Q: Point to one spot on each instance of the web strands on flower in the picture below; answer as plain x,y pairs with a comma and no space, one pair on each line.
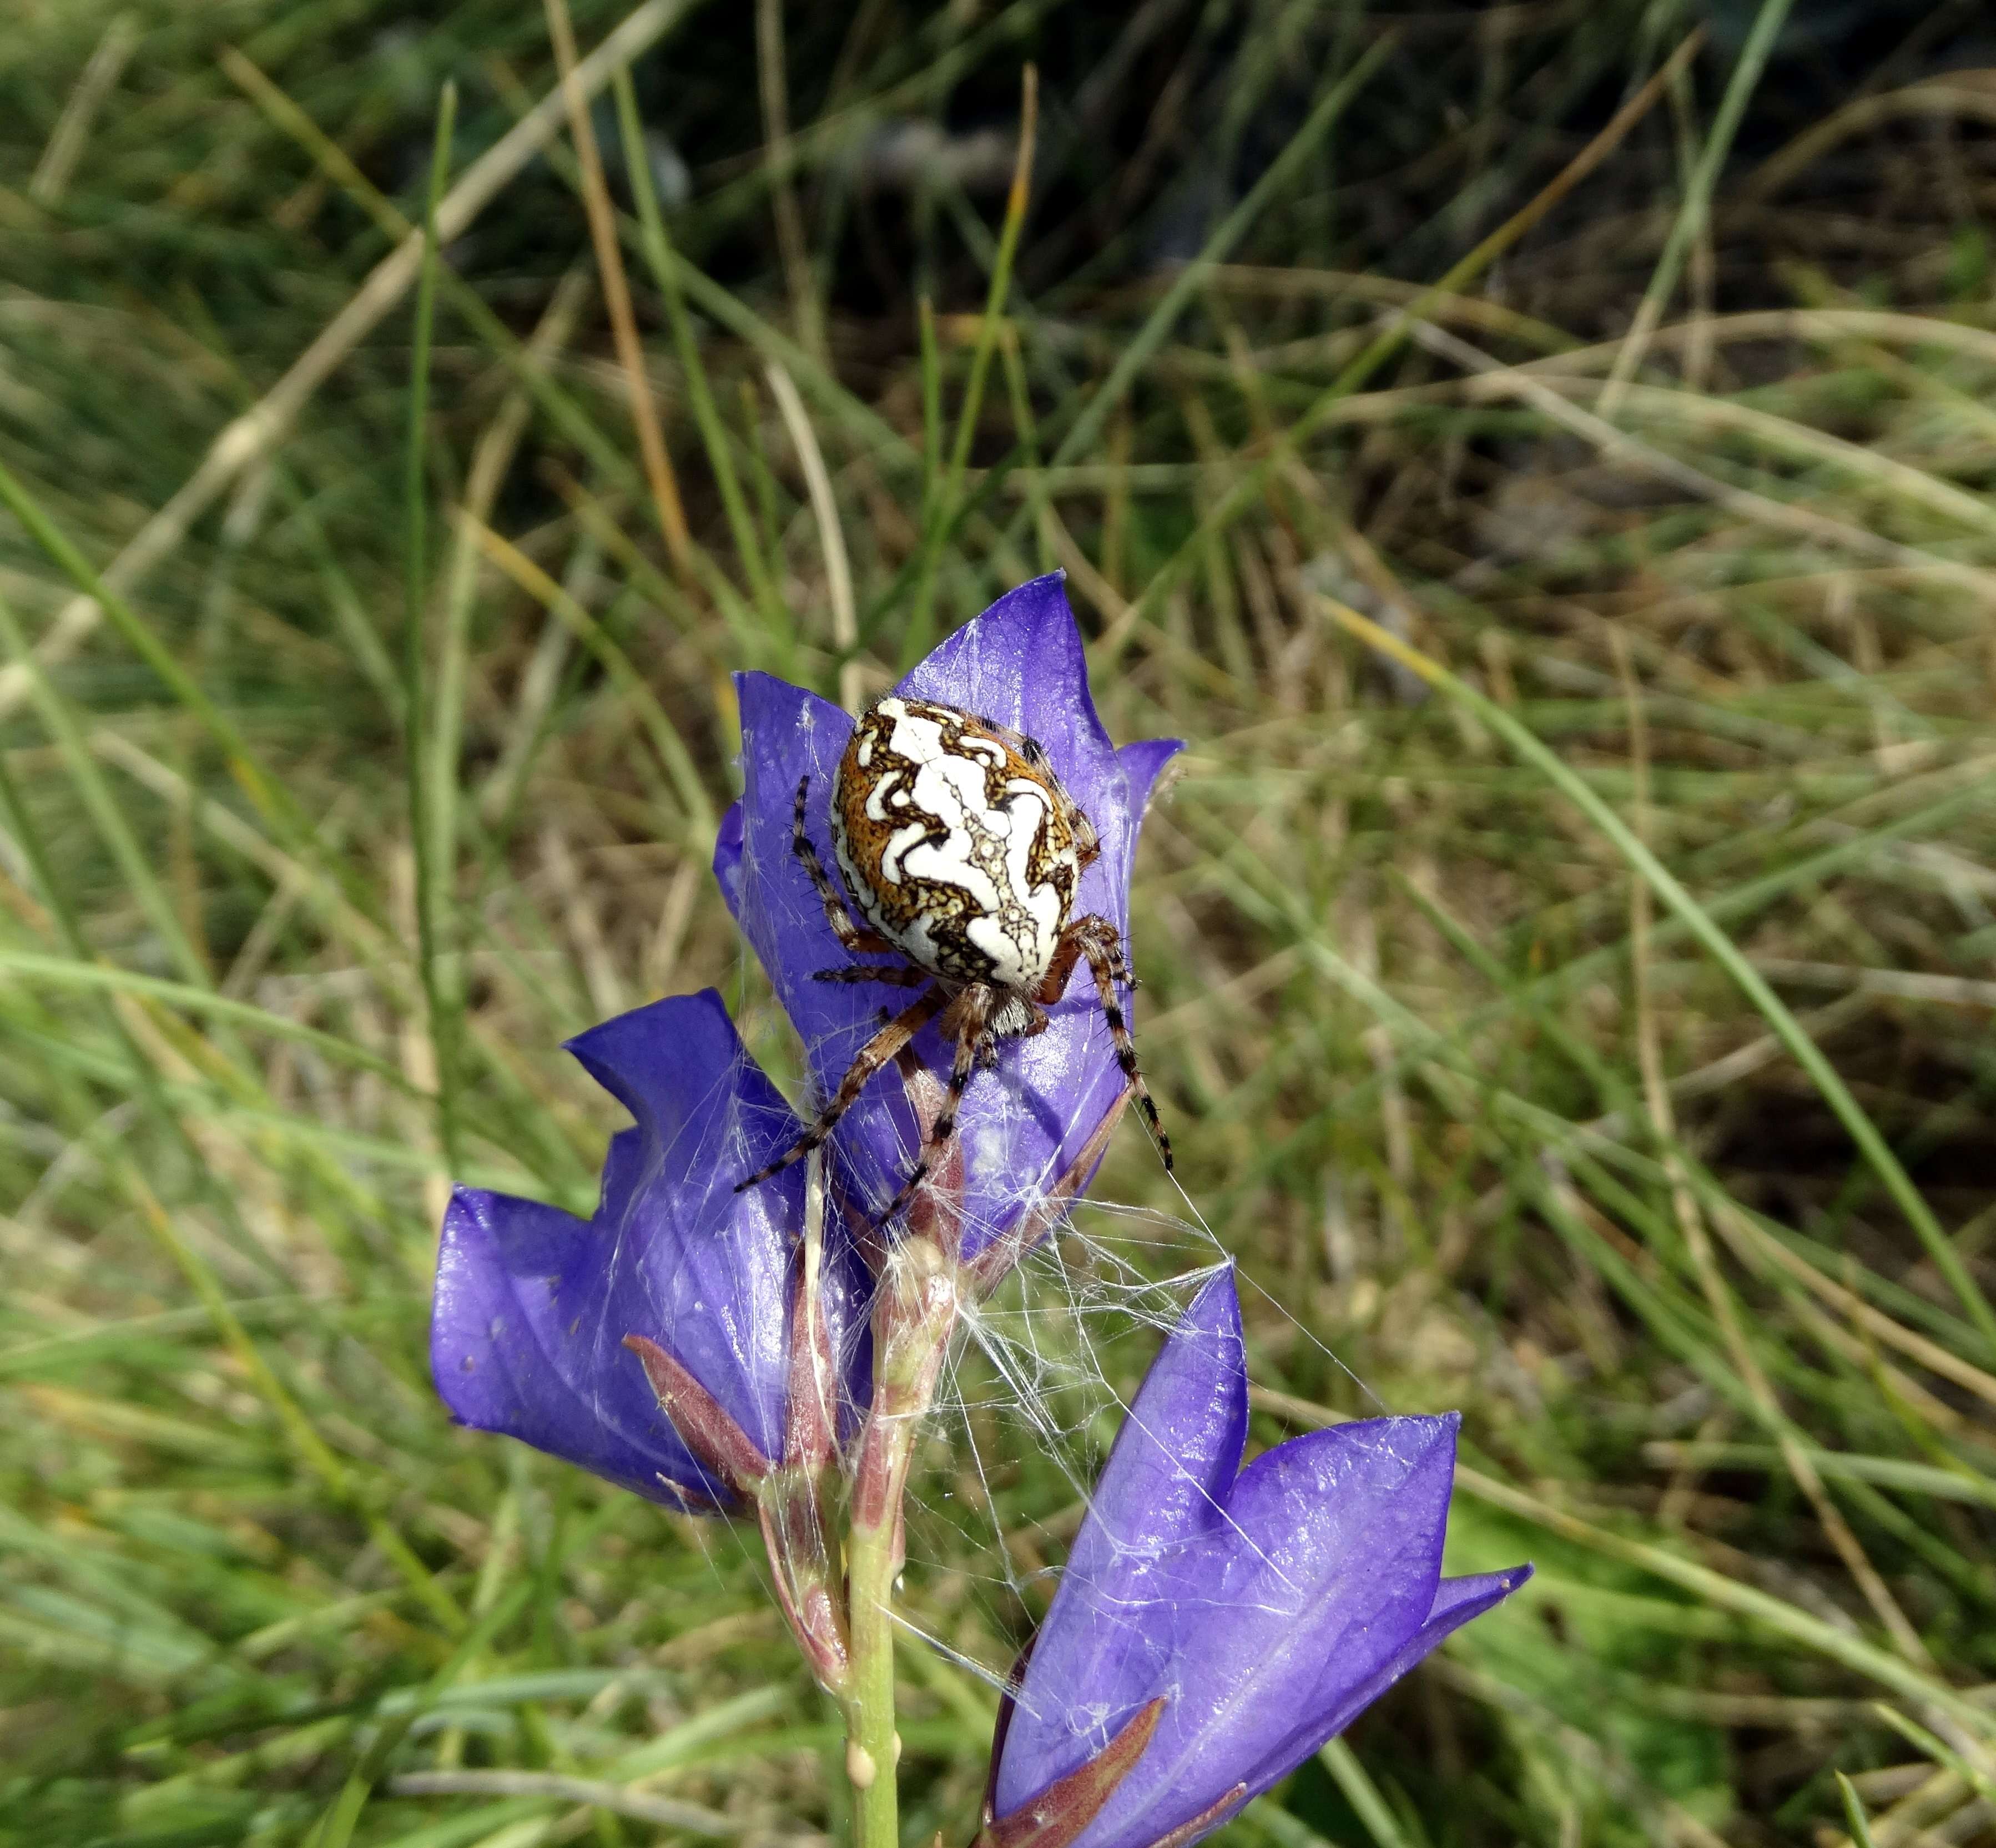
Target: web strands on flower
1026,1410
1032,1398
1037,1392
709,1288
1029,1405
1029,1376
714,1301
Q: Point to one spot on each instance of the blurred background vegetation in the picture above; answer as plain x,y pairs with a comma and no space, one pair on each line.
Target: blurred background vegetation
1598,1041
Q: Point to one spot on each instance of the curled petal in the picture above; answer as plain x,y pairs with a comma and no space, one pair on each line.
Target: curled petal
503,1361
534,1306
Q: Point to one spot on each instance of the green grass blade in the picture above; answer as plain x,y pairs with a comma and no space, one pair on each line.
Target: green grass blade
1700,924
656,249
1362,1793
430,877
1696,207
1854,1812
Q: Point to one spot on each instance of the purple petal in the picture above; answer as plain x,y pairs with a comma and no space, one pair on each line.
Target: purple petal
1021,664
1457,1600
787,734
532,1305
1323,1564
1329,1581
1267,1610
1173,1463
1176,1460
501,1362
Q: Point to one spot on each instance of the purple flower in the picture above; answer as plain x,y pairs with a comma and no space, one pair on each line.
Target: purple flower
1024,1125
575,1336
1214,1625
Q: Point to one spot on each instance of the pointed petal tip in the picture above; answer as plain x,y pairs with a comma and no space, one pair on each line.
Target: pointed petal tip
1215,1310
637,1055
1143,758
1021,662
1427,1428
462,1211
761,696
726,861
486,1233
1458,1601
678,1063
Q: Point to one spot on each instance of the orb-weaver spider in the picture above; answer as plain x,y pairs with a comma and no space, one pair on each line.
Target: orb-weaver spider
962,854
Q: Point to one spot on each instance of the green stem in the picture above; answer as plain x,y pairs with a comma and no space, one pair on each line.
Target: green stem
915,1309
871,1742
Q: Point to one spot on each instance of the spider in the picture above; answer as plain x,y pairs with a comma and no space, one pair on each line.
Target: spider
962,854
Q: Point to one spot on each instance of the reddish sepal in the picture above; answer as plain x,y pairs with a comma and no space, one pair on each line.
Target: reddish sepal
710,1433
1061,1812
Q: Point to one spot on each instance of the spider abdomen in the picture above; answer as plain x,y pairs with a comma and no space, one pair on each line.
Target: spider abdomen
957,842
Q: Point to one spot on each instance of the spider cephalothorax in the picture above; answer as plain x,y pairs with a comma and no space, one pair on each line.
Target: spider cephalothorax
962,855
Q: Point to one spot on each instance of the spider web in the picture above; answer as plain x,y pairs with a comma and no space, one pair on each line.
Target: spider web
1037,1382
1037,1378
1034,1395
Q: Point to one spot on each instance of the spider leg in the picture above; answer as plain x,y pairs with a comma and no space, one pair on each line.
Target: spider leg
973,1031
878,1051
857,939
1067,953
1099,941
891,975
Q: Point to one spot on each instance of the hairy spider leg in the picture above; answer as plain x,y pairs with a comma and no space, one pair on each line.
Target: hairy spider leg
1097,938
878,1051
856,938
972,1009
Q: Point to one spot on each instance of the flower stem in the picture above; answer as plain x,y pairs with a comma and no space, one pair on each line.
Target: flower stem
914,1310
871,1741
